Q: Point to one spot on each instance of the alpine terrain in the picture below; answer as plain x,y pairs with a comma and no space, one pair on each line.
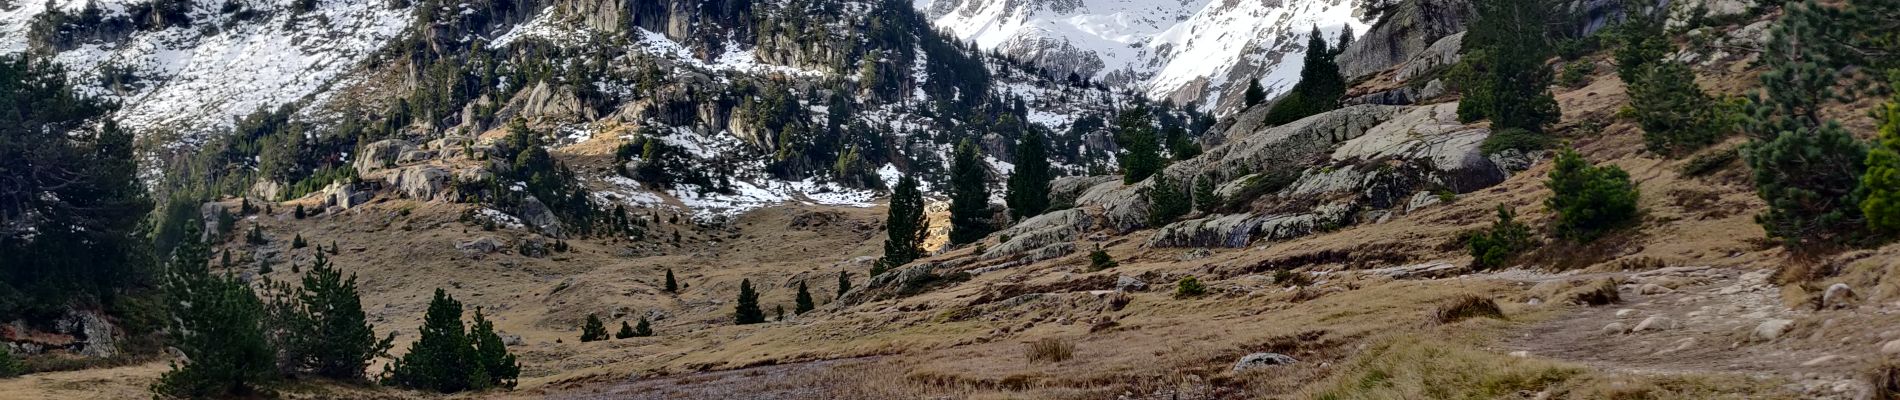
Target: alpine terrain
950,199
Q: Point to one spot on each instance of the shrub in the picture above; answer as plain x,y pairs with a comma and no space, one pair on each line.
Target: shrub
297,242
1811,183
1189,287
1589,200
1503,242
1466,307
1885,378
1882,179
1100,260
1287,277
1577,73
1049,349
1514,139
1167,201
626,331
594,330
10,366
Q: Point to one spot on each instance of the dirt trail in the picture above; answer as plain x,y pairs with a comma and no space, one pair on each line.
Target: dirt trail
1702,320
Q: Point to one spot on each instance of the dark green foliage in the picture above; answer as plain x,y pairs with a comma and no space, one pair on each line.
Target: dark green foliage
746,311
1807,168
219,325
1710,162
1189,287
593,330
1881,203
73,185
904,226
643,329
255,236
803,302
1677,117
1589,200
10,366
1495,247
299,212
969,196
1320,87
844,283
447,358
297,242
1167,201
322,328
1509,82
1141,150
1255,94
1028,192
1577,73
1640,44
1100,260
1205,199
548,181
1514,139
626,331
672,286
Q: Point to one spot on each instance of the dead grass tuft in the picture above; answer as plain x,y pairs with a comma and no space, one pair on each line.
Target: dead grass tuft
1466,307
1600,292
1884,378
1053,350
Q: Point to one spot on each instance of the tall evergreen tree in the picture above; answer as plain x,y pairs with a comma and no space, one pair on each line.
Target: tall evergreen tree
1028,193
672,286
626,331
1512,86
904,226
1167,201
804,301
1320,86
442,358
1808,168
969,196
1205,199
498,366
643,329
220,324
1141,149
594,329
323,327
746,311
70,199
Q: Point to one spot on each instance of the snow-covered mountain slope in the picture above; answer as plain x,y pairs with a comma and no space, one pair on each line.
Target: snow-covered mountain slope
230,59
1181,50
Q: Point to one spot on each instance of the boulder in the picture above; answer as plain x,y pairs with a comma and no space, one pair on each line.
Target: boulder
1838,295
1614,328
1655,323
1261,360
1064,191
344,195
1772,329
480,246
1441,55
92,331
422,182
1653,289
1127,283
536,214
1892,347
1431,136
381,154
415,156
1683,13
267,190
1235,230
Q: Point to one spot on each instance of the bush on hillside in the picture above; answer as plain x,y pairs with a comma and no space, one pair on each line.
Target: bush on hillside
1589,200
1503,242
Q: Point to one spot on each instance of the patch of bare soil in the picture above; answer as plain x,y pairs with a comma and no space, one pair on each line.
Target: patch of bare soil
1710,320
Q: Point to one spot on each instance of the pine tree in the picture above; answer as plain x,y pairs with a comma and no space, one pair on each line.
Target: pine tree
1141,150
594,330
804,301
746,311
1809,169
904,226
1255,94
1166,201
1320,87
844,283
219,325
969,196
626,331
1882,180
1589,200
1509,45
1028,193
297,242
442,358
299,212
324,329
1205,199
643,329
1676,116
781,313
496,364
672,286
256,236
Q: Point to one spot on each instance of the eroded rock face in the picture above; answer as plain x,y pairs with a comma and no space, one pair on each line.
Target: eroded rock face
1220,230
1406,31
94,333
381,154
422,182
537,215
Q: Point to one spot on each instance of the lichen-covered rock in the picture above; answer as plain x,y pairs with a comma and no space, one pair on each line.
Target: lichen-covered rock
381,154
1261,360
536,214
1684,12
422,182
1064,191
1440,55
1234,230
1041,231
1407,30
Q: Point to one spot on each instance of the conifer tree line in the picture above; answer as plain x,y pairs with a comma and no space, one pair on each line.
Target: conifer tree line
1321,86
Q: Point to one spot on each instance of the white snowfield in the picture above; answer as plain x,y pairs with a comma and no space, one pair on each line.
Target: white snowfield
1166,46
